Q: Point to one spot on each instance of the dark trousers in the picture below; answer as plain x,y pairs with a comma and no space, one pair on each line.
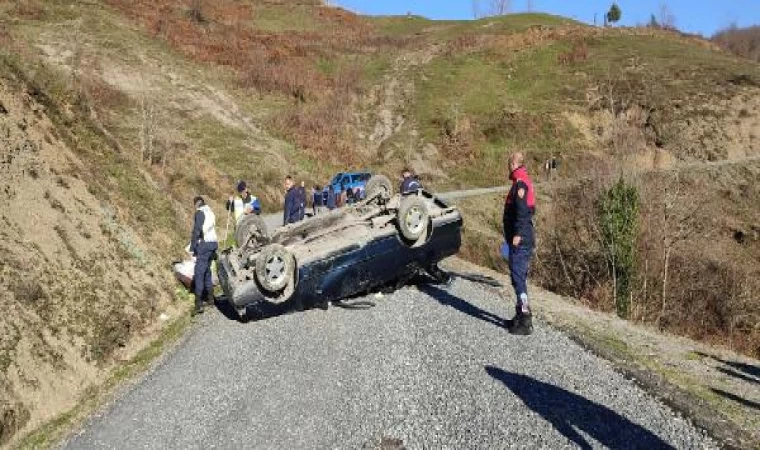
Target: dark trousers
519,264
202,281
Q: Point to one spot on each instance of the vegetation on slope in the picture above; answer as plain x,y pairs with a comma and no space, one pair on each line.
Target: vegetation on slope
744,42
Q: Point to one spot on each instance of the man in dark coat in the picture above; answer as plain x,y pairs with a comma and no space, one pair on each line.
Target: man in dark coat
519,207
203,246
409,182
293,201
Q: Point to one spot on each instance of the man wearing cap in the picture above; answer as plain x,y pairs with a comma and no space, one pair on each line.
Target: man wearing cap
519,207
244,203
203,246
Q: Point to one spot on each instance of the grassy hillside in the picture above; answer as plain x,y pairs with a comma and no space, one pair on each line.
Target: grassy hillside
160,101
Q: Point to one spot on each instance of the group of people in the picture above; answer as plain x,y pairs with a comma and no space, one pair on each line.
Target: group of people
550,168
519,208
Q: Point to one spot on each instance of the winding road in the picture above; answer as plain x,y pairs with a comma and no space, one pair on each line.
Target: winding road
427,367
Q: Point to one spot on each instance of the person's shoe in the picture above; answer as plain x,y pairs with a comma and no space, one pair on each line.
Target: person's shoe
209,299
198,305
522,324
441,277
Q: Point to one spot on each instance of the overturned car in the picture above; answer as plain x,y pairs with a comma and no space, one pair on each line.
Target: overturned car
384,240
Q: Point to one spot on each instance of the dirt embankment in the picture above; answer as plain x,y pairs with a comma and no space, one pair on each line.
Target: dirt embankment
79,289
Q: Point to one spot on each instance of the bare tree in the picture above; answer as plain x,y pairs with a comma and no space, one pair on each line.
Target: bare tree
667,18
677,226
147,129
476,14
196,11
500,7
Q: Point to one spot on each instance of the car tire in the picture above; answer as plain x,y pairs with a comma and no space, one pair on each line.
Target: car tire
413,218
378,185
275,268
250,226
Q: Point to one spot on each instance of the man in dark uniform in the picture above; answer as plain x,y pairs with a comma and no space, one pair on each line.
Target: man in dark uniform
292,210
203,245
409,182
518,233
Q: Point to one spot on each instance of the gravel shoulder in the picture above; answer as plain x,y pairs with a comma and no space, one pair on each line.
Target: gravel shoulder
719,390
424,368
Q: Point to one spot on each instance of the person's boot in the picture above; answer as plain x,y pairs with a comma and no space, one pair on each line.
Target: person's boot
209,298
440,277
198,305
522,324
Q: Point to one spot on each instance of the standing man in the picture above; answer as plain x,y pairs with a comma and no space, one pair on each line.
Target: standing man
292,209
518,233
203,245
332,201
316,199
302,194
244,203
409,182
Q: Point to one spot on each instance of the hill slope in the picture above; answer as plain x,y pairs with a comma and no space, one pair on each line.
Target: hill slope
151,103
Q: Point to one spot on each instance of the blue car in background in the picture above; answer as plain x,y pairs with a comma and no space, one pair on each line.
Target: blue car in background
347,180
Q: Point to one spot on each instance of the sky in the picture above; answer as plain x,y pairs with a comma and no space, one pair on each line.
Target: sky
694,16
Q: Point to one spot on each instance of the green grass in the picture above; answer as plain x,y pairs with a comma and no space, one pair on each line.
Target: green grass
449,29
277,18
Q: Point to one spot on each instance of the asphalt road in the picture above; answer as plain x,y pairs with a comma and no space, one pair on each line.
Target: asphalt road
425,368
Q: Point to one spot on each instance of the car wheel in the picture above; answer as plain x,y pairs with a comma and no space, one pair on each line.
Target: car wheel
275,268
250,227
413,218
378,185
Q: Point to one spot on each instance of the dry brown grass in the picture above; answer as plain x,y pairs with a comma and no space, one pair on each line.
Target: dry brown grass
289,63
578,53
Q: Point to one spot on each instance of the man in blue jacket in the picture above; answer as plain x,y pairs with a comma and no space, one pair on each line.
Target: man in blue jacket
203,245
409,182
519,207
292,212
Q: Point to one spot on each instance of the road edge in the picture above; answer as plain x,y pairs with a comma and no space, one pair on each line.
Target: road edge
55,432
700,412
631,364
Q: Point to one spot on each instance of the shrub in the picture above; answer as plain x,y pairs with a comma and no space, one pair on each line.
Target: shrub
744,42
577,54
618,215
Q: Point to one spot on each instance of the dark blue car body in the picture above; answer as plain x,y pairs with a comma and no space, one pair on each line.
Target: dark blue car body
350,269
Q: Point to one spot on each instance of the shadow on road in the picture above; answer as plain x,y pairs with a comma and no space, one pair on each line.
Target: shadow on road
479,279
742,371
737,399
457,303
569,412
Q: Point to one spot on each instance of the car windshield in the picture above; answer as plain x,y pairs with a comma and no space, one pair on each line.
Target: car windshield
337,178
